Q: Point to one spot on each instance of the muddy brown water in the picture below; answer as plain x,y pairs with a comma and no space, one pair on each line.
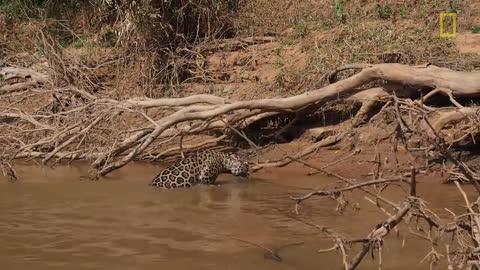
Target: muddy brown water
52,219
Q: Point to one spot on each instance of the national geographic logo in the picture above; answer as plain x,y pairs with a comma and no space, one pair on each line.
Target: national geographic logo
448,16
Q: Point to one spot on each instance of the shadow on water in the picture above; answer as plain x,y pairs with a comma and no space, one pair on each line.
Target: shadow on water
51,220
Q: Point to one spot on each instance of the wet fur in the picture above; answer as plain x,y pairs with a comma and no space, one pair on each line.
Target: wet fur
200,168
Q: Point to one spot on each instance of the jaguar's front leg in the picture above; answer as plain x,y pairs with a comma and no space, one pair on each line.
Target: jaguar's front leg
207,176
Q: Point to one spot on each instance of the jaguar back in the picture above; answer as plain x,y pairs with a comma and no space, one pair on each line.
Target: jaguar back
200,167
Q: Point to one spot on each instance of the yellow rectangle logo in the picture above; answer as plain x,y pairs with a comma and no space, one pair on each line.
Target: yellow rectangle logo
454,25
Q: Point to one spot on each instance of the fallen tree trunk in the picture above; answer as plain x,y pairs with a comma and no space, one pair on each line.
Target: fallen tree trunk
198,114
460,84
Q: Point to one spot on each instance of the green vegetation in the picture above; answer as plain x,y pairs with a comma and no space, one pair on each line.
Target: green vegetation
78,43
18,8
157,21
278,60
340,10
27,9
475,29
452,6
301,28
403,10
326,24
383,12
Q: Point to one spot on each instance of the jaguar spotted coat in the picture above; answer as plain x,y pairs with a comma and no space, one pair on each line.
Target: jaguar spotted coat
202,167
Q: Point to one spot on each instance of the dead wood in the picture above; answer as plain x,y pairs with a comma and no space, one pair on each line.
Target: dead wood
9,73
375,238
308,150
429,76
19,79
463,229
454,116
171,118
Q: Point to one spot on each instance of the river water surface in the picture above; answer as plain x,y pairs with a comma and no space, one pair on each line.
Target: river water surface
52,219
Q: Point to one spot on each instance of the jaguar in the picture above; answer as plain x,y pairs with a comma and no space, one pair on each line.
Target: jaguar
202,167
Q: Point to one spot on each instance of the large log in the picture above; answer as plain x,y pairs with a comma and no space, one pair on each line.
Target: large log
457,82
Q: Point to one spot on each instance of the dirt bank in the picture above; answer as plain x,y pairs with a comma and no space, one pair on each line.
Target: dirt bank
94,72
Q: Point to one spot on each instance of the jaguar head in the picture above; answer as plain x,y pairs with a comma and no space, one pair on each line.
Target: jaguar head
236,165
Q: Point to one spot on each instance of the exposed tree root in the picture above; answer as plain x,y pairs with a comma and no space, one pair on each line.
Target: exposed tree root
429,76
285,161
78,113
454,116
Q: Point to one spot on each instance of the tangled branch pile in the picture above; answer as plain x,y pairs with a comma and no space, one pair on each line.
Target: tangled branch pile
461,232
76,124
